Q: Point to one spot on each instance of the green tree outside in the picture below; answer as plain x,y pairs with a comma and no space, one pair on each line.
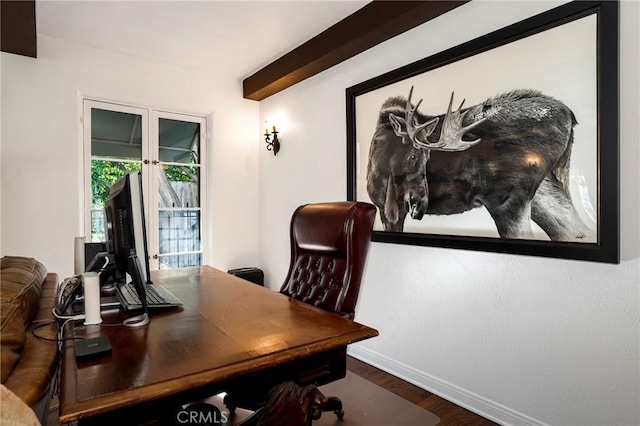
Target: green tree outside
105,173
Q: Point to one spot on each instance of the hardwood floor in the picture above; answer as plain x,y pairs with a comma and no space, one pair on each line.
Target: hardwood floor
449,413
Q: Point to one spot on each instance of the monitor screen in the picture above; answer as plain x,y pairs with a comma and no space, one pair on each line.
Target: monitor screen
125,226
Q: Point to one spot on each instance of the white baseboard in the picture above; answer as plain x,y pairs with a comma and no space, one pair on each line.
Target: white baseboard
462,397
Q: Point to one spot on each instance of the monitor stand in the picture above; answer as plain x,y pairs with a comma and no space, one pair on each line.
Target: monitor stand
100,263
134,270
137,321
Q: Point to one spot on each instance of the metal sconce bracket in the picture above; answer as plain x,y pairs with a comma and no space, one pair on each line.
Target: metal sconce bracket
272,144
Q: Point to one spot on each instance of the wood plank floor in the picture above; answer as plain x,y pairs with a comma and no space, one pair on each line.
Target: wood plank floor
449,413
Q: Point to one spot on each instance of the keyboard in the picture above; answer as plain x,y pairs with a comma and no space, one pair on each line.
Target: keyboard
156,295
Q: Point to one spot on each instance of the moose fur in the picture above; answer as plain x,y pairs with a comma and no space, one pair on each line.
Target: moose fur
518,170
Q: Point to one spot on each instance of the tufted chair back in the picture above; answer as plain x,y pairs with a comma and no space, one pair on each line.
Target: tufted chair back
329,244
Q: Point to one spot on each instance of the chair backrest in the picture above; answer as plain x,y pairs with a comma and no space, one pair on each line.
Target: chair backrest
329,245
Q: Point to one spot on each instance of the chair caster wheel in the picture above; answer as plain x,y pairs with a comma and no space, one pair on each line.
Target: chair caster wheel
339,414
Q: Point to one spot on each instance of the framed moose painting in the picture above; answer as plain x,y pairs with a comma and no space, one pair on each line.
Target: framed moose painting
506,143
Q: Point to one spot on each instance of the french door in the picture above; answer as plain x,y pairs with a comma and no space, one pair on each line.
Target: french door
168,149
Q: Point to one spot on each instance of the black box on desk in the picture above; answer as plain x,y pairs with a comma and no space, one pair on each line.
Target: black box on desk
252,274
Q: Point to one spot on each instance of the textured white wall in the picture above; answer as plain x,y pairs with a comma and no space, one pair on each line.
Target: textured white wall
523,340
42,168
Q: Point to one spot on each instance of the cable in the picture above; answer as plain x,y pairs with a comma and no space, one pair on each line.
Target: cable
67,317
66,293
59,339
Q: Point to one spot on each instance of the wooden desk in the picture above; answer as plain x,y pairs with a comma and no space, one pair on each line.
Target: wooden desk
229,333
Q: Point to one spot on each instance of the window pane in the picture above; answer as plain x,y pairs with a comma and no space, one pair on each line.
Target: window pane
179,231
179,141
179,186
180,261
97,225
104,174
116,134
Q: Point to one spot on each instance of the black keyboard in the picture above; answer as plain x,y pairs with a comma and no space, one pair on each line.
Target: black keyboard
131,295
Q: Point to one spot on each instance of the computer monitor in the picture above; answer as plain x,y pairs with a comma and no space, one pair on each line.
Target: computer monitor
126,232
125,223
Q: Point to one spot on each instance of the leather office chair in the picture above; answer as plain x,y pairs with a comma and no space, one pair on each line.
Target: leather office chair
329,245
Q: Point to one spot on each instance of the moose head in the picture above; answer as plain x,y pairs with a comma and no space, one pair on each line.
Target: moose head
414,136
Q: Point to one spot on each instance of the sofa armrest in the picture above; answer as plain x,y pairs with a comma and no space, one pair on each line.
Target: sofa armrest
31,376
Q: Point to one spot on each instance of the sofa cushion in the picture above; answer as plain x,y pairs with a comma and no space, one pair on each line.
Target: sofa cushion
12,337
21,285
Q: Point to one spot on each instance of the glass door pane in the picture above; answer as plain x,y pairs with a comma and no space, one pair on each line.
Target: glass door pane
116,134
179,141
178,186
179,192
179,233
116,149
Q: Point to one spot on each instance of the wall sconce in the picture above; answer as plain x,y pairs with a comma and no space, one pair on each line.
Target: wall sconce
273,144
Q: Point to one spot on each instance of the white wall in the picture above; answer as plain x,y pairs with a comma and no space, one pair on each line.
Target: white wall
523,340
520,339
42,146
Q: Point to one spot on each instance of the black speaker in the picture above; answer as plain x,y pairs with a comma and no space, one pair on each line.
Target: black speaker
90,250
252,274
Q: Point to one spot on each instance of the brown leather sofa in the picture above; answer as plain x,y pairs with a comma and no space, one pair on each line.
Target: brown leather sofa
29,364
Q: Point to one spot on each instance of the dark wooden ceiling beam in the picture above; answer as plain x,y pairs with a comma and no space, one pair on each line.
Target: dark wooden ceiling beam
375,23
18,27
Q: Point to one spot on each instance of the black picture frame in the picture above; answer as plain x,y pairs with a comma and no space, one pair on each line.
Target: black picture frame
603,16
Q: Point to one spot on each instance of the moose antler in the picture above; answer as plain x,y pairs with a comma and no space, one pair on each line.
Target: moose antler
451,132
408,128
413,129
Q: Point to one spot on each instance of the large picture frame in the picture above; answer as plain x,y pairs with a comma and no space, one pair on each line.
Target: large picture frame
528,164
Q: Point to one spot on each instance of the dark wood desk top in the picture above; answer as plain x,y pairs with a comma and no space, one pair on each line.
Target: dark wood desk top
227,328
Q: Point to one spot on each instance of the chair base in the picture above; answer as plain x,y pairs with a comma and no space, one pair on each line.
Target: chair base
291,405
332,403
